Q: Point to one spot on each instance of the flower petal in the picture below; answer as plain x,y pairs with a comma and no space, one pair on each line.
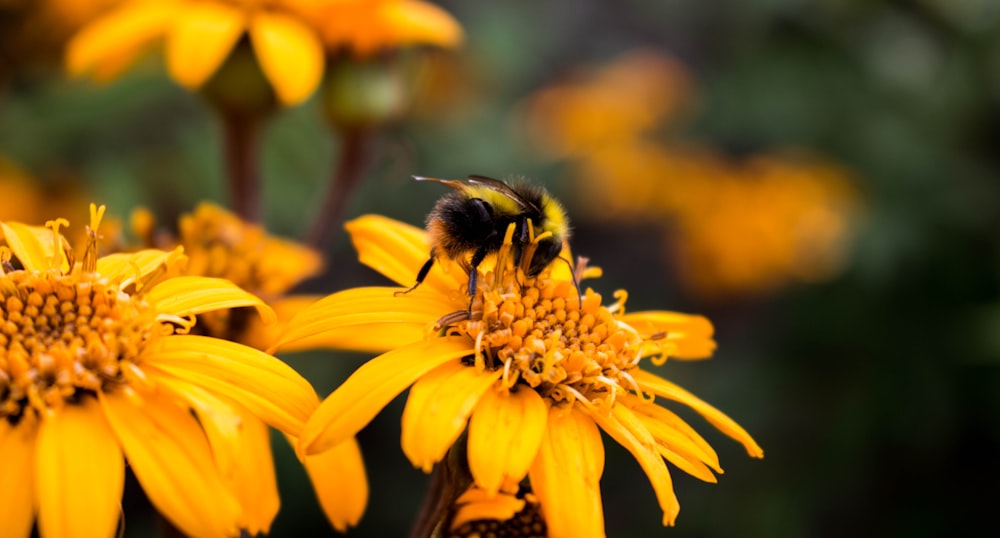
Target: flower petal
504,434
290,55
79,473
192,295
439,407
566,474
167,450
623,426
241,445
267,387
202,36
108,46
17,481
398,250
671,431
661,387
35,247
338,477
363,319
413,22
371,387
688,336
127,268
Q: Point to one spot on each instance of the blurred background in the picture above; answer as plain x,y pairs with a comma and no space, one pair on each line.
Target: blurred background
819,178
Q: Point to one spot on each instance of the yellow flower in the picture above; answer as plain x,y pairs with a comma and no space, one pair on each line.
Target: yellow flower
367,27
220,244
199,36
536,371
509,512
97,367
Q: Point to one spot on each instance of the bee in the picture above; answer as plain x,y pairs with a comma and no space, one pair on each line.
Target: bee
470,223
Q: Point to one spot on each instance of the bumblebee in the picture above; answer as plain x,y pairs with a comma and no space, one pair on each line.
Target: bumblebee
470,223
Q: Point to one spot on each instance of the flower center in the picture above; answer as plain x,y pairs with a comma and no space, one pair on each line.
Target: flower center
65,334
544,335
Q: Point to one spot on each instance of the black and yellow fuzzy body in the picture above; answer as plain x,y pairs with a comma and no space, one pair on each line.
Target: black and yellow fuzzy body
468,224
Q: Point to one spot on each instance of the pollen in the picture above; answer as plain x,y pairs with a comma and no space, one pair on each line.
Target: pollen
65,335
543,334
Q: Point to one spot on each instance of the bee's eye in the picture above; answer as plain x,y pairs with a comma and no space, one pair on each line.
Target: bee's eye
548,250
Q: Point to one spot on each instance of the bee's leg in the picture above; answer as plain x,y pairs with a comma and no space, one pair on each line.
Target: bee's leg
477,258
421,275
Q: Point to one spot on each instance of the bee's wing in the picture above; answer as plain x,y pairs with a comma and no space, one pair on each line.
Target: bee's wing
503,188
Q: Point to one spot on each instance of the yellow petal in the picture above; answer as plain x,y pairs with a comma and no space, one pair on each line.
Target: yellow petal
17,481
79,473
35,247
200,39
504,434
437,410
127,268
193,295
680,450
623,426
369,389
241,446
566,475
260,335
689,336
398,250
338,478
476,504
666,389
167,450
652,413
267,387
110,44
364,319
412,22
290,55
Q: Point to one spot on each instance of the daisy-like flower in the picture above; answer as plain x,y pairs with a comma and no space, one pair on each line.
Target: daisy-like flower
531,375
97,367
199,36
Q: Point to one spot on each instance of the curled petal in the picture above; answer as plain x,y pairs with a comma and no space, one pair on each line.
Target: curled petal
666,389
338,477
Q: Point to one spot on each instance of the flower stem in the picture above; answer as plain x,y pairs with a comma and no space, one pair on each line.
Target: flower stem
451,477
241,140
352,160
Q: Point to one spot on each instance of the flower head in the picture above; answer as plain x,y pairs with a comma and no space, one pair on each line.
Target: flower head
199,36
97,366
366,27
534,370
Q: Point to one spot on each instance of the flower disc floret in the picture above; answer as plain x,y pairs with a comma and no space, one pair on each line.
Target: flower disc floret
62,334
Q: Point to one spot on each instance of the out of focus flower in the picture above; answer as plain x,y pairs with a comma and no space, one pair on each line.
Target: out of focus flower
510,512
200,36
732,227
24,198
220,244
613,105
534,369
98,367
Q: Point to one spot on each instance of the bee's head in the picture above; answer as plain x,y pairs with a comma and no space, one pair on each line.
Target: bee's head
548,249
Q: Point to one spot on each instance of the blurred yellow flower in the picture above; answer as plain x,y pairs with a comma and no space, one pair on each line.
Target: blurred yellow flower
220,244
612,105
98,368
199,35
534,369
